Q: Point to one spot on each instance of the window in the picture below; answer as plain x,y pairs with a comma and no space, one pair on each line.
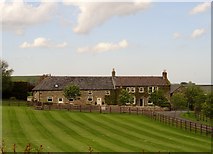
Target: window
155,89
90,92
107,92
56,85
132,89
49,99
90,99
60,99
149,90
141,89
149,102
71,99
134,100
128,89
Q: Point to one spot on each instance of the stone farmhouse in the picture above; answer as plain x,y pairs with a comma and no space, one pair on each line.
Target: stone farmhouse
101,90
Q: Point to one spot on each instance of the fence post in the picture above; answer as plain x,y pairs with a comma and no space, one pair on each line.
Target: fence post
185,125
137,110
80,108
190,126
100,109
201,128
181,123
120,109
206,130
90,108
195,127
129,110
110,109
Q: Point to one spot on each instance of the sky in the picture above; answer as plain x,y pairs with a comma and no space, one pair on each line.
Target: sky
90,38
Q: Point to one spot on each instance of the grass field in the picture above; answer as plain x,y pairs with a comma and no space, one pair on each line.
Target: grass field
191,116
74,131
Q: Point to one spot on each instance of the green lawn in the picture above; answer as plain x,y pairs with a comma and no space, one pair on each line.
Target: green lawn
191,116
74,131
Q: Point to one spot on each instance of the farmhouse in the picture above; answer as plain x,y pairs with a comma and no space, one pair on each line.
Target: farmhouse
100,90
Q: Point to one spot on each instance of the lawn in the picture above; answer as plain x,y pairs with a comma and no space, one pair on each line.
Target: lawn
191,116
64,131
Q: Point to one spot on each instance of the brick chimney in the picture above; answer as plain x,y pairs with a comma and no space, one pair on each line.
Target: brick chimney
164,74
113,72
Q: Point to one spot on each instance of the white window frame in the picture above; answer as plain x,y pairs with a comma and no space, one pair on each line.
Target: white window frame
71,99
149,103
141,91
107,92
150,88
89,98
132,90
90,93
62,100
49,97
128,89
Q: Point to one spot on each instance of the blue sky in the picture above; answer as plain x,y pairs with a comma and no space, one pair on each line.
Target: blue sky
67,38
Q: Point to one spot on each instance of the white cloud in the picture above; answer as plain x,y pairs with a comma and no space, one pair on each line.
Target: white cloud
200,8
42,43
177,35
18,15
197,33
104,47
95,14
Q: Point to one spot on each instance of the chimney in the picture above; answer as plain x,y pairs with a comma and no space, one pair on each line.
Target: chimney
164,74
113,72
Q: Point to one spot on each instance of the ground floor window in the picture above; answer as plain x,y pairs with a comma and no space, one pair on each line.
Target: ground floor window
90,99
71,99
49,99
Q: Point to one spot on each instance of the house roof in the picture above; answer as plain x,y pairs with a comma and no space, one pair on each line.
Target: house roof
55,83
174,87
140,81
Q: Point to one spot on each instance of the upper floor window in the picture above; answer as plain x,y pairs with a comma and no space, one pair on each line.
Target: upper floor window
141,89
152,89
107,92
90,92
131,89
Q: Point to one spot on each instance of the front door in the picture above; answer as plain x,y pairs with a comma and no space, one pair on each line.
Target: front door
99,102
141,102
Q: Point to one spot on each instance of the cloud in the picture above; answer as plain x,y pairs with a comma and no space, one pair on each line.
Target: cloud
16,16
177,35
197,33
42,43
104,47
200,8
95,14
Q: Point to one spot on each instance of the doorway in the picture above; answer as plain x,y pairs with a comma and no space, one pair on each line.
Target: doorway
141,102
99,101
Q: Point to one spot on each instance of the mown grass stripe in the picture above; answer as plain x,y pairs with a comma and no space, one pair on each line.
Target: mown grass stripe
82,132
41,126
37,132
15,129
168,130
132,138
159,135
69,130
118,136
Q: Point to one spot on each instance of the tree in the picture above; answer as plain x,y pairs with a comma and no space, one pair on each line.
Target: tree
125,97
179,101
6,78
194,95
71,91
207,107
158,98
